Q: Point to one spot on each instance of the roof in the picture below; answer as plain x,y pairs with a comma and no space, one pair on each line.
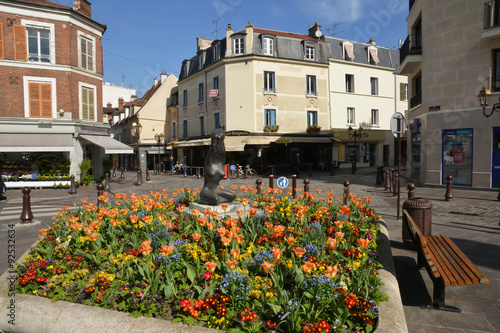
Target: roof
283,34
45,3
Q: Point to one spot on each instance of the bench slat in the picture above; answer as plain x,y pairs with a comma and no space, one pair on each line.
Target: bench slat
446,262
473,268
436,259
462,267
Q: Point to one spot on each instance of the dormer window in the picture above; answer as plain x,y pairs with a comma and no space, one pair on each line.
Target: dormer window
201,60
238,45
268,44
348,51
216,49
372,55
310,50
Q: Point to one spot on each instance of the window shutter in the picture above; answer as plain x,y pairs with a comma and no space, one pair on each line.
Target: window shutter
21,52
91,104
1,41
46,100
34,99
40,100
85,104
402,92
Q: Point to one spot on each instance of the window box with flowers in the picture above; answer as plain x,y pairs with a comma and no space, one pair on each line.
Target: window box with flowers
271,128
313,128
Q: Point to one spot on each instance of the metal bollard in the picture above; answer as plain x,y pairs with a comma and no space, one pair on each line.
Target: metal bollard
122,176
185,172
107,178
258,183
72,188
392,180
395,184
271,181
246,173
26,214
411,190
237,171
387,186
100,192
114,173
294,186
448,195
306,185
148,179
347,198
198,173
139,177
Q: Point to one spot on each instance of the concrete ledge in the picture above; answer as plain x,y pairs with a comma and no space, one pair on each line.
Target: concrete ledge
34,314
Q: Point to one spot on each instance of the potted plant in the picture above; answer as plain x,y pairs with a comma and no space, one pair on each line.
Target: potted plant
85,165
107,164
313,128
271,128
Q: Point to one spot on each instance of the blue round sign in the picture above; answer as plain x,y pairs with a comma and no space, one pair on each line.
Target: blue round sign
233,167
282,182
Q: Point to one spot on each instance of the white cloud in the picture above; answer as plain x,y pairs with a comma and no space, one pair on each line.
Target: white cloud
330,11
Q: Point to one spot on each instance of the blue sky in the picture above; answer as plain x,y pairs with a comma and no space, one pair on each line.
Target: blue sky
147,37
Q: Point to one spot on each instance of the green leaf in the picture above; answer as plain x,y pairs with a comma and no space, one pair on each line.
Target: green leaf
191,275
122,306
168,291
177,320
276,308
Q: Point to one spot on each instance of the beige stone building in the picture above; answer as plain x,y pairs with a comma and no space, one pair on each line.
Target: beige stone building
452,52
283,100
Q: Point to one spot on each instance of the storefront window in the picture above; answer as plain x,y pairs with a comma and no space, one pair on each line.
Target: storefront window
457,156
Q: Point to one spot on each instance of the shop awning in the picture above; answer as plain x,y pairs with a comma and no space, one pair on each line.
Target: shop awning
192,143
235,143
110,145
35,142
305,139
258,140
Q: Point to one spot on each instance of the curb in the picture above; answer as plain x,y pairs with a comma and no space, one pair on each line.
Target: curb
34,314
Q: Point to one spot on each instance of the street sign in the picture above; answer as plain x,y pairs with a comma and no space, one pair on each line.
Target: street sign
284,141
283,182
233,167
398,126
213,93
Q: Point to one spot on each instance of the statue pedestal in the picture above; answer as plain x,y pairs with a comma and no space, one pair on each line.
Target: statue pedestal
232,208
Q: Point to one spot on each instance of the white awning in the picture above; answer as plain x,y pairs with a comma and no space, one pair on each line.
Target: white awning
373,53
235,143
192,143
348,49
110,145
26,142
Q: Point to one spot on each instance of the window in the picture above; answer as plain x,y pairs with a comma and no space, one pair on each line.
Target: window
201,93
312,118
350,116
403,91
1,41
374,85
269,83
185,129
270,117
310,52
238,45
348,51
496,70
87,103
375,117
216,51
174,130
39,97
372,55
216,82
311,85
268,45
349,83
38,45
202,125
201,60
185,98
217,119
87,51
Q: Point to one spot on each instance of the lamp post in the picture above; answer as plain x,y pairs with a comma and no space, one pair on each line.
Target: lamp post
484,99
136,130
355,134
159,139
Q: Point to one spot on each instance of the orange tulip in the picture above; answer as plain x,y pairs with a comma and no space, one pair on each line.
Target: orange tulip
278,230
222,231
215,214
207,212
267,267
238,238
244,201
235,253
210,266
277,253
308,267
332,242
345,210
201,221
145,247
363,242
268,225
239,213
114,222
180,208
95,224
166,250
299,251
94,236
339,235
339,224
331,271
252,211
231,223
195,212
224,206
231,263
88,230
290,240
225,240
134,218
210,225
196,237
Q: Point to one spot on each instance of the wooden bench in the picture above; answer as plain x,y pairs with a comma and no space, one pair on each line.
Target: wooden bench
446,264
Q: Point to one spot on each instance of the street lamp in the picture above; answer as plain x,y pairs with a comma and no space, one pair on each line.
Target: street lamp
355,134
159,139
136,130
484,99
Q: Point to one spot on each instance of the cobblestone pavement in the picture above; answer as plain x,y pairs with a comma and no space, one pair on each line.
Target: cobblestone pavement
471,220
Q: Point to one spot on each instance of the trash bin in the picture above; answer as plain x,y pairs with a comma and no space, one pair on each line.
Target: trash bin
421,211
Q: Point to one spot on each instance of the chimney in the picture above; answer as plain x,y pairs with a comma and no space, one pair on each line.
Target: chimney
315,31
372,41
109,105
156,81
249,38
120,103
163,77
229,44
83,7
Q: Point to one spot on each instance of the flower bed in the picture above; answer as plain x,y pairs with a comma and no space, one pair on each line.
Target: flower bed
304,265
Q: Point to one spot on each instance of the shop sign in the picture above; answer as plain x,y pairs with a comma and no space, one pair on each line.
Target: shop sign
284,141
213,93
93,130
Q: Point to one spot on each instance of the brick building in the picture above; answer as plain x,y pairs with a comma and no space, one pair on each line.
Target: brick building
51,72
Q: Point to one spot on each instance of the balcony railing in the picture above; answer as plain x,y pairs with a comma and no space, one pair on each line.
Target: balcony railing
412,45
416,100
491,15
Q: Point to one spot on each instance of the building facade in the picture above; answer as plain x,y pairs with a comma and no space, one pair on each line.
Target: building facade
451,53
51,68
282,99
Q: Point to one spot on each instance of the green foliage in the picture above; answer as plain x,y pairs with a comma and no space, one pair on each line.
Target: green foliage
85,165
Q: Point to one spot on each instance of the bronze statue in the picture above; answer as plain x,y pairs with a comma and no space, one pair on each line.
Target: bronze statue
211,194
